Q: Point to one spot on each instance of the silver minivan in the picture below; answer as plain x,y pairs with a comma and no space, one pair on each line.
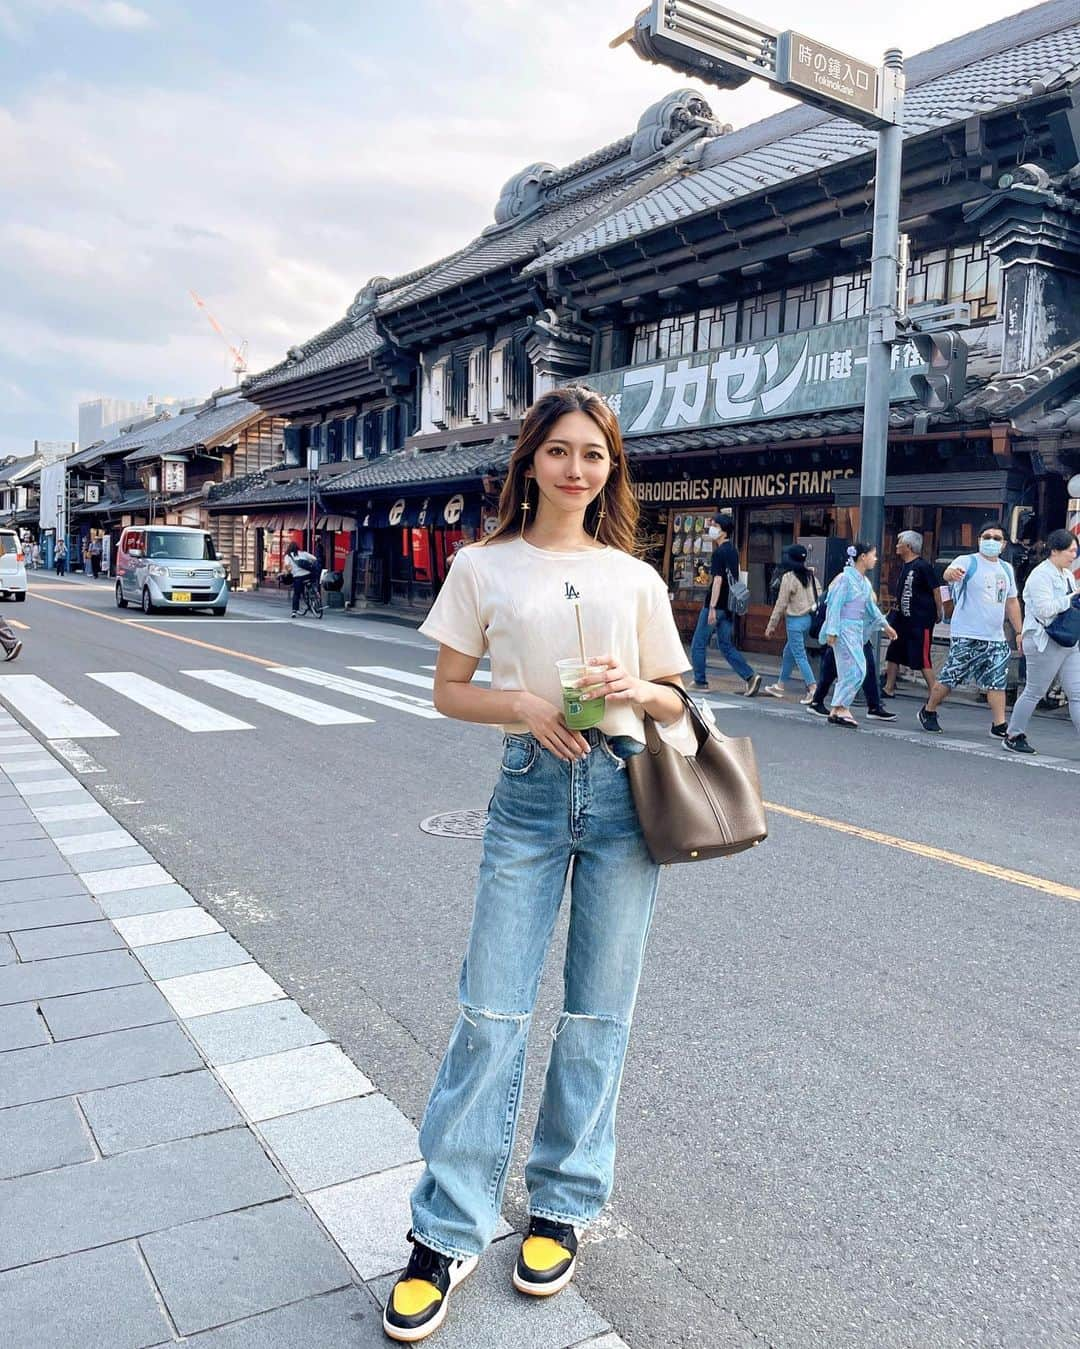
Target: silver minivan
169,567
12,566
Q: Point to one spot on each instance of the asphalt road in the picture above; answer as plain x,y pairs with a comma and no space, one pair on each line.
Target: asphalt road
848,1115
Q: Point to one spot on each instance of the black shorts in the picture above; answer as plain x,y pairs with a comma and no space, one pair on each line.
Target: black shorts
911,648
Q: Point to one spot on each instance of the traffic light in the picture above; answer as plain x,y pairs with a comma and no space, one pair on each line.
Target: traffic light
943,384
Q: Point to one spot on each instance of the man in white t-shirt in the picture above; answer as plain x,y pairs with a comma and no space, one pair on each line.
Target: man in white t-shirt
984,596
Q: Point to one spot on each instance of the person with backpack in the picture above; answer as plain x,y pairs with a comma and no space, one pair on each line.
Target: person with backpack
1051,636
727,597
984,596
796,599
300,566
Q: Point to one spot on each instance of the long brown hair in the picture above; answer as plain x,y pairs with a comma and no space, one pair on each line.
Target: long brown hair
619,527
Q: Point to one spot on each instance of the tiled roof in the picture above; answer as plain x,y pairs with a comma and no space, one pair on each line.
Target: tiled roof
991,68
409,466
522,239
247,482
203,428
266,494
128,440
340,344
13,470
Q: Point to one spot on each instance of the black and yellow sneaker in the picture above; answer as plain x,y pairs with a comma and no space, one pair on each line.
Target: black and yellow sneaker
416,1307
547,1258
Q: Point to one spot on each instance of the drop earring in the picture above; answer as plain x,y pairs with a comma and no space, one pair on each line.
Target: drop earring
525,509
599,519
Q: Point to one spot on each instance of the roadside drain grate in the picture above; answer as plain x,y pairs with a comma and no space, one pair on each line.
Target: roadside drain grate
456,824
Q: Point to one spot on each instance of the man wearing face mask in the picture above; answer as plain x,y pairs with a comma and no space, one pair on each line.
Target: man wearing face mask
715,612
984,596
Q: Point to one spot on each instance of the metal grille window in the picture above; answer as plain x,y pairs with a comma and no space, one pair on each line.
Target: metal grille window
967,273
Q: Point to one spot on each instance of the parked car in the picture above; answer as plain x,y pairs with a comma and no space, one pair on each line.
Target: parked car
169,567
12,566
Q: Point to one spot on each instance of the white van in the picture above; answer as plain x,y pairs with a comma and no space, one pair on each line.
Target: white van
169,567
12,566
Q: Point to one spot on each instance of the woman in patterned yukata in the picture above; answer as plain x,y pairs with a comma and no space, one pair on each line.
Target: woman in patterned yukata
852,618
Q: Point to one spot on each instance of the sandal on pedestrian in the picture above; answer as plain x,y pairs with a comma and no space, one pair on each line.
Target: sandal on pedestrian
849,722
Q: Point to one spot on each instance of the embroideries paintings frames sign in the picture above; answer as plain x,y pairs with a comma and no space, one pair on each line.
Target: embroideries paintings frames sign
814,370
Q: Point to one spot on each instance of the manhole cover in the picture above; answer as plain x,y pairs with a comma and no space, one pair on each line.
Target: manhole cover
456,824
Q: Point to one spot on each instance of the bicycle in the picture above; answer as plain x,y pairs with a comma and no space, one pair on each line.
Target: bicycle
311,599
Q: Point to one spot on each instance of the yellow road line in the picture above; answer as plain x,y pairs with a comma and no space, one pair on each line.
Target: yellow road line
162,632
1023,878
952,859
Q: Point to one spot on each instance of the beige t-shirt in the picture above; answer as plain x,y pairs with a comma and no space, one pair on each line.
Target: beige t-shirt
516,603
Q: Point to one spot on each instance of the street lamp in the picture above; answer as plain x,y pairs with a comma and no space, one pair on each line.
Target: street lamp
705,40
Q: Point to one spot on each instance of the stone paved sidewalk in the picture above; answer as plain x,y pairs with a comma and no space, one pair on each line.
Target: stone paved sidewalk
184,1156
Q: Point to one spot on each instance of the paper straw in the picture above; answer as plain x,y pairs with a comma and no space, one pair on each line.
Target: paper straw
580,631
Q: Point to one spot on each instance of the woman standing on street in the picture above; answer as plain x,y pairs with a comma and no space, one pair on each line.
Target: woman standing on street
1051,590
851,619
796,601
563,552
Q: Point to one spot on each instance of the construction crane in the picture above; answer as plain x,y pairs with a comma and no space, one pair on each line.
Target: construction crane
239,354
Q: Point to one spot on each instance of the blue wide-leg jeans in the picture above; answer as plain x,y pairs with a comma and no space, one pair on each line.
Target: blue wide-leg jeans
547,818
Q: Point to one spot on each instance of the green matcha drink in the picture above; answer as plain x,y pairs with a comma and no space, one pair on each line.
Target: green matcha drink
578,712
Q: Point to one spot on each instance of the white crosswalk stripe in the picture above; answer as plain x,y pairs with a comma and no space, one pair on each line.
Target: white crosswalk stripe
55,715
356,688
165,702
480,677
282,700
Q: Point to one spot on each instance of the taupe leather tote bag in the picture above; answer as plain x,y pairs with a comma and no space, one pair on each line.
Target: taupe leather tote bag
694,807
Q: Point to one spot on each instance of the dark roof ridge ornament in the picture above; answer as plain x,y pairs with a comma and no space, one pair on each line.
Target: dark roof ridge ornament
523,192
367,298
668,120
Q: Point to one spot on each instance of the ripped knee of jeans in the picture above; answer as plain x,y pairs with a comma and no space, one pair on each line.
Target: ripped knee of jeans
473,1015
601,1018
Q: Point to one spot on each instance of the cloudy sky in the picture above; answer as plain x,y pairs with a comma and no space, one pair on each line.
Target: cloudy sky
273,156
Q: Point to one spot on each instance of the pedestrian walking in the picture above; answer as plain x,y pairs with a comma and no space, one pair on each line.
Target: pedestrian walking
918,608
1050,592
852,618
871,687
796,600
35,557
60,558
716,618
95,558
558,573
984,596
9,643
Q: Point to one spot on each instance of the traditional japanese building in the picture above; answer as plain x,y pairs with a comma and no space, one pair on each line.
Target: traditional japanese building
713,285
735,298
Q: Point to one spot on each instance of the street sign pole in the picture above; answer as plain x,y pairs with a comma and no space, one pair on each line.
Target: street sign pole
884,271
708,41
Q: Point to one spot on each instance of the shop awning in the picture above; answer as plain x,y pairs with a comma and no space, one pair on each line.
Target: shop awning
334,523
931,489
437,512
274,521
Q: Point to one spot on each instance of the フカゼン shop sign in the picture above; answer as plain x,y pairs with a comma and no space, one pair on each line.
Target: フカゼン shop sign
796,485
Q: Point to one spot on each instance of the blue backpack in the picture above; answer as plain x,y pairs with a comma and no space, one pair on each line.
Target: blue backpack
972,568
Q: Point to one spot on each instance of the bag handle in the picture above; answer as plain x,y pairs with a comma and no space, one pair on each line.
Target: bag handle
702,729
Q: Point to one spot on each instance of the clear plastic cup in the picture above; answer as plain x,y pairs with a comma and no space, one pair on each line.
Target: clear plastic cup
579,713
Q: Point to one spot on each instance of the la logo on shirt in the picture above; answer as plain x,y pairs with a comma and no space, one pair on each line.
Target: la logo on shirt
571,592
